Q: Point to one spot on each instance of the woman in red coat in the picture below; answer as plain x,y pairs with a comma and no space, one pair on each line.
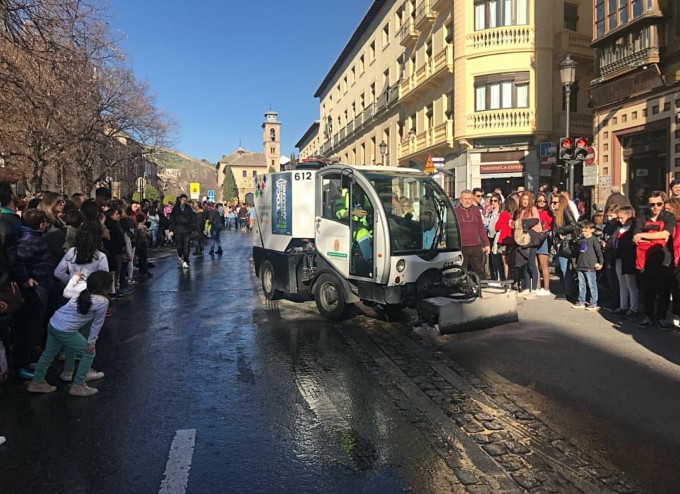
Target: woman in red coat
505,239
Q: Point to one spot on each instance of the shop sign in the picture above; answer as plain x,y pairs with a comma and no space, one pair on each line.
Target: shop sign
501,142
487,168
625,87
590,175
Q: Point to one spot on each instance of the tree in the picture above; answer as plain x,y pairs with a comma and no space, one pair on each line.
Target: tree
229,189
150,192
271,170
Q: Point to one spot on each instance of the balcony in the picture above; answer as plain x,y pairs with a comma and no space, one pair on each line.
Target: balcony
580,124
437,67
425,16
501,122
408,34
576,44
502,39
629,62
342,134
441,3
388,97
435,140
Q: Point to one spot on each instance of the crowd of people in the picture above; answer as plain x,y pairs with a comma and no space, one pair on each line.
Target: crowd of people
633,253
65,259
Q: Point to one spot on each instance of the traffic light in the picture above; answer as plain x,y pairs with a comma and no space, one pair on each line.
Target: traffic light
581,149
566,148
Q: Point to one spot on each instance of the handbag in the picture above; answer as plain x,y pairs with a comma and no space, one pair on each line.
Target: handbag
522,237
11,295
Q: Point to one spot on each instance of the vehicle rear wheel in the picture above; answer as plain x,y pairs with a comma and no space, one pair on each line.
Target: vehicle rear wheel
330,299
267,278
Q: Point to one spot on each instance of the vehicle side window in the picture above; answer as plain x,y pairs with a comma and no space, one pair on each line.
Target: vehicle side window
335,193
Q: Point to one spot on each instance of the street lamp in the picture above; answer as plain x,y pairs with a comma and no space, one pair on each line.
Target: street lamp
568,77
383,150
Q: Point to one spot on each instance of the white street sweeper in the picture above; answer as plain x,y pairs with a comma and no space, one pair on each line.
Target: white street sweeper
381,235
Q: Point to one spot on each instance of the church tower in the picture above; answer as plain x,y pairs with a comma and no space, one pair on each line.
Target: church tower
271,137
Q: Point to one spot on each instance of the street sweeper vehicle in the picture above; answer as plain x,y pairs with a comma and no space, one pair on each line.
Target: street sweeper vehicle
383,236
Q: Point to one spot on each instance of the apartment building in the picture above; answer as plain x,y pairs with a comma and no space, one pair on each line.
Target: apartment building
478,87
636,95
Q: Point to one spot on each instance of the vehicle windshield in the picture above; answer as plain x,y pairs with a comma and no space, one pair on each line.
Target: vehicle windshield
419,215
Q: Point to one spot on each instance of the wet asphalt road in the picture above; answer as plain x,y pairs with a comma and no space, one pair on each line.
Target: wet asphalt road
197,350
283,401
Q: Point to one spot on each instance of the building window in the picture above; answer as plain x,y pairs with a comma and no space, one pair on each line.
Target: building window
490,14
371,51
502,91
272,162
245,173
599,18
272,135
386,34
254,173
571,16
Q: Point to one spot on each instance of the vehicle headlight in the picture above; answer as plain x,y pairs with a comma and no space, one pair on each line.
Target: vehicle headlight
401,265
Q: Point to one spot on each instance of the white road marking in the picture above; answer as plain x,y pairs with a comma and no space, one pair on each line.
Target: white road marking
179,462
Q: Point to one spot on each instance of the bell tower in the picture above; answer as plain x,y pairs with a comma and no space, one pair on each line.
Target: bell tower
271,137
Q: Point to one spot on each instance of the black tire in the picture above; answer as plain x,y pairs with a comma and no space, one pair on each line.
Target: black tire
329,297
267,279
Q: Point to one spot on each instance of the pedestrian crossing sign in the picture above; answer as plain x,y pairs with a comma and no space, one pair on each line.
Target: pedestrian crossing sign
429,165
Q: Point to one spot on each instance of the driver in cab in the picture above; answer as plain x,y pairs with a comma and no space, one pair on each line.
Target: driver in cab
362,228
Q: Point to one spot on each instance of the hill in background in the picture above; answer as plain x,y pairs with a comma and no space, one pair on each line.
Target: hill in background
177,170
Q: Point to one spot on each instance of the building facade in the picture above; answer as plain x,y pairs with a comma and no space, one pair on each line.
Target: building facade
477,85
636,95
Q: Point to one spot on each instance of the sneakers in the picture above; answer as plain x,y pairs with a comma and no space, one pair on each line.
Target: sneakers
646,322
185,265
42,387
92,375
530,296
82,390
578,305
542,292
127,291
592,307
631,314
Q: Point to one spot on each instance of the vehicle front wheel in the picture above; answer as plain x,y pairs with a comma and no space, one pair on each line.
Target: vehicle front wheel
267,278
329,297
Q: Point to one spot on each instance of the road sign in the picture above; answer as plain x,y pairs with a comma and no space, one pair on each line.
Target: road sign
546,148
195,190
547,162
590,157
211,196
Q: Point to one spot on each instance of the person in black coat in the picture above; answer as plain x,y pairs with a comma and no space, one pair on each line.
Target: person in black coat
182,225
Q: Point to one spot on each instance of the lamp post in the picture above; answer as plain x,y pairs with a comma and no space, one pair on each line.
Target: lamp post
568,76
383,151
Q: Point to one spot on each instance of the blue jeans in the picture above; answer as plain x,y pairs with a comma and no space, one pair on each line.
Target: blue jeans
566,275
589,277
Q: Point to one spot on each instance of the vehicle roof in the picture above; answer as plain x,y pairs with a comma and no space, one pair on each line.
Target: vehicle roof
377,168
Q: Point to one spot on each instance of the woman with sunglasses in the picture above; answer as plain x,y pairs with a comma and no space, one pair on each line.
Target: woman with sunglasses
543,250
564,229
496,269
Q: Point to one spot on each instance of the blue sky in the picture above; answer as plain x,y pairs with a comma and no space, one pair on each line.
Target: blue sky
217,66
